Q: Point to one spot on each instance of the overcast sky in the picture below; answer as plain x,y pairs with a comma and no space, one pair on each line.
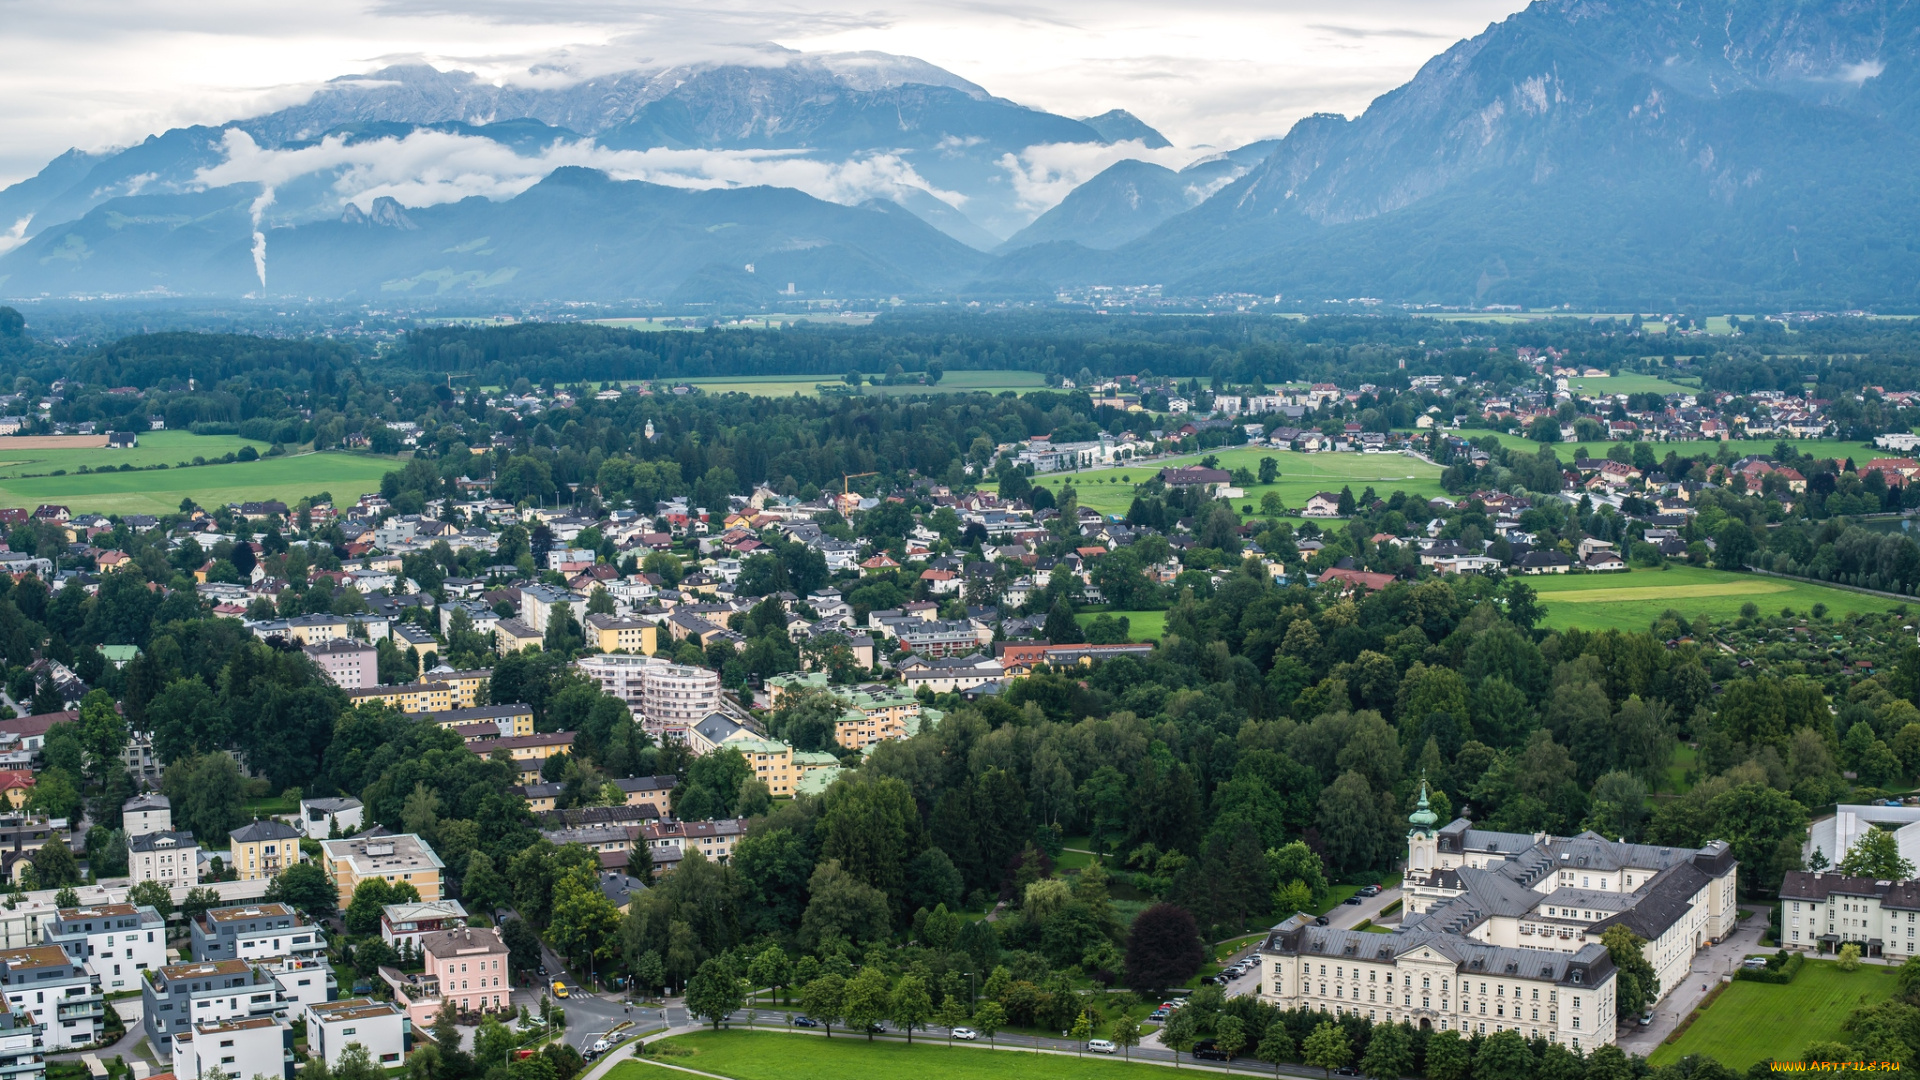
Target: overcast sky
103,73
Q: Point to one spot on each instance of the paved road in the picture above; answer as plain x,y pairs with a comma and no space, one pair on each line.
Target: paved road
1709,966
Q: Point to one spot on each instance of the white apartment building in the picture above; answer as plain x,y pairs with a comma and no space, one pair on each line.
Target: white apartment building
170,858
253,1046
666,698
1820,912
48,987
114,942
352,665
143,814
379,1026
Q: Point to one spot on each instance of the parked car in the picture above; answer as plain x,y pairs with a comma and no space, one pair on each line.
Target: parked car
1354,900
1158,1014
1320,921
876,1029
805,1021
1346,1070
1646,1018
1754,962
1102,1046
965,1034
1371,890
1208,1050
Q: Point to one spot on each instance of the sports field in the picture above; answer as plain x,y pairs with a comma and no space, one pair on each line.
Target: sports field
953,382
1753,1021
750,1055
25,455
159,491
1633,600
1110,491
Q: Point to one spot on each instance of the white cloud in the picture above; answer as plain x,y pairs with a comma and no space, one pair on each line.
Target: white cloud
1043,175
100,73
427,168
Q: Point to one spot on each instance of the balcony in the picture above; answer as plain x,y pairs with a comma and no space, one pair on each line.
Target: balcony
81,1010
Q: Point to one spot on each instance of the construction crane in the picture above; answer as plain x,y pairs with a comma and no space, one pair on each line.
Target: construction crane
846,489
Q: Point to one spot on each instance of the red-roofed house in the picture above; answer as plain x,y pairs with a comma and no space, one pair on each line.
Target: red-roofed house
15,786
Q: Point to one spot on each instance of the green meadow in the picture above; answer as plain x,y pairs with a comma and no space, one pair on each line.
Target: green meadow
1627,384
1634,599
156,448
1110,491
159,491
1838,449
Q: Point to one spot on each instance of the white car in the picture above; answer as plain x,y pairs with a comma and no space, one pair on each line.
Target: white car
1102,1046
965,1033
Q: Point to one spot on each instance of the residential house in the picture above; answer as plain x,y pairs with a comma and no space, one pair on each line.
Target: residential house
402,858
114,942
170,858
380,1027
329,817
255,933
410,921
263,848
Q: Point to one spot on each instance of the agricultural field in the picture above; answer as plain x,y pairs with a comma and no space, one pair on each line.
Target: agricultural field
1110,491
1633,600
156,448
747,1055
159,491
1753,1021
1838,449
954,382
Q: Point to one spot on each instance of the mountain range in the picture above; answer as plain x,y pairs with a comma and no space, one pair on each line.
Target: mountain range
1605,153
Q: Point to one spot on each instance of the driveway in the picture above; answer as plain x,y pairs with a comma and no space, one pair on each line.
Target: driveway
1709,966
1348,916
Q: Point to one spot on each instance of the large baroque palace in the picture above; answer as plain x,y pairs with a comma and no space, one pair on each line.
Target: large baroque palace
1502,931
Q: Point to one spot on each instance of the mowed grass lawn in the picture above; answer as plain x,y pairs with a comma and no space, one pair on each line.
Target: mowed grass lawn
748,1055
1110,491
1752,1021
1633,600
1141,625
1627,384
156,448
159,491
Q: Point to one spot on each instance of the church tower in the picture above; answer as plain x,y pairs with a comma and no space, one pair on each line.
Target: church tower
1422,846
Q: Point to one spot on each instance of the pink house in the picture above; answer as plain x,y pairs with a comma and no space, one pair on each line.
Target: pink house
350,664
467,966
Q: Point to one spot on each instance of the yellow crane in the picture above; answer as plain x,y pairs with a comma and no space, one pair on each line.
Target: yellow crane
847,501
